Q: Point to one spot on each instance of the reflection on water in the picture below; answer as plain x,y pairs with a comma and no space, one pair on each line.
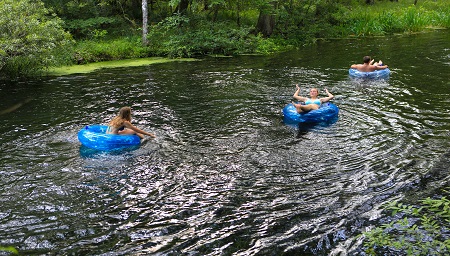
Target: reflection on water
224,175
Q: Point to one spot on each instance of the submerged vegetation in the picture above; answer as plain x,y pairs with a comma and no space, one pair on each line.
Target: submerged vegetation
36,35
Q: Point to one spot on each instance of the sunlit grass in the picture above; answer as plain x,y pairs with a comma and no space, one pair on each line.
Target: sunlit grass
398,17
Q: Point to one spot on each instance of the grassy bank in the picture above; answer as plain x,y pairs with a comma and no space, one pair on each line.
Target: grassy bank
397,17
181,37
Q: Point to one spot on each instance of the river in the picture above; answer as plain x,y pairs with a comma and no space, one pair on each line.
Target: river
225,175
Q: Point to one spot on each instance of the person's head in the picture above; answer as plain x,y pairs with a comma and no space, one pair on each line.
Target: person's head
125,113
313,92
366,59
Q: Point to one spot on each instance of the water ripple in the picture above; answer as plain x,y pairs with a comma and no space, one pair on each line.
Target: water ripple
224,175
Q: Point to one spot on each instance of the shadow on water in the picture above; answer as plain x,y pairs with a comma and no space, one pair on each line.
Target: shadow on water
304,128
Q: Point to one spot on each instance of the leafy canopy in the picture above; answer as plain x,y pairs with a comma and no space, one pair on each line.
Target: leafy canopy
29,36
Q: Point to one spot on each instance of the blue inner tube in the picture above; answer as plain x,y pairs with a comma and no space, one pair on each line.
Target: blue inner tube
327,112
382,73
95,136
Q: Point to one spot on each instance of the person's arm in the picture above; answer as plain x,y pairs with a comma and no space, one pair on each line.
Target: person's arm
354,66
137,130
330,97
381,67
298,97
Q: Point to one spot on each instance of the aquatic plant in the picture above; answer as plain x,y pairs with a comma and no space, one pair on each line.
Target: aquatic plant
9,249
417,229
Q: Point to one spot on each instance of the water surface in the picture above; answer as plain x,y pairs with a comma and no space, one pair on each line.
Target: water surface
225,175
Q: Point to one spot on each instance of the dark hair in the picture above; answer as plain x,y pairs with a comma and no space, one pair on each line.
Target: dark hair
366,59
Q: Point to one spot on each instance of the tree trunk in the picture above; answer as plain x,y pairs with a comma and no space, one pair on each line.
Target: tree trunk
144,22
182,6
266,19
266,24
238,13
415,2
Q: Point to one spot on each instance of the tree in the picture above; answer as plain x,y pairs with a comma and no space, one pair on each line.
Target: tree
266,19
144,22
182,6
29,36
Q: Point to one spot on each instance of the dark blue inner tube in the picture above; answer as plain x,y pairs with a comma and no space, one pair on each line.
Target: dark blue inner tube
95,136
382,73
327,112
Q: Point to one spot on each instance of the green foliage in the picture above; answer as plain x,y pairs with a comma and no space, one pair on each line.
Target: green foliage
90,28
305,21
180,36
29,37
104,50
389,18
424,229
271,45
415,19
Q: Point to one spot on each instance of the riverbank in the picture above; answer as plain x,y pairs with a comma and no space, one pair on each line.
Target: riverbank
105,36
188,39
138,61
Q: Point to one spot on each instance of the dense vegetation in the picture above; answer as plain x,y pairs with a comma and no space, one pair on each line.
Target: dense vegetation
36,34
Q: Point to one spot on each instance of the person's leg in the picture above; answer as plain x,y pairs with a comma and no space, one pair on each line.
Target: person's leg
379,63
127,131
298,107
305,108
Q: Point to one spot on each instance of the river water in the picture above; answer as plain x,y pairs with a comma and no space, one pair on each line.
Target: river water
225,175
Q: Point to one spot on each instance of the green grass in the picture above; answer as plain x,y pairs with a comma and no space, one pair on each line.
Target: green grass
109,49
397,17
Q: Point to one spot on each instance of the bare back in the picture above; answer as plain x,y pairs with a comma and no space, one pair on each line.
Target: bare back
367,67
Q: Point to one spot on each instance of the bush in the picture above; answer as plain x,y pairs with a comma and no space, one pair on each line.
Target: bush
29,37
104,50
180,36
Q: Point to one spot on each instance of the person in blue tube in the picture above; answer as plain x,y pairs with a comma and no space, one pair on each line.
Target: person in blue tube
369,65
311,103
121,124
